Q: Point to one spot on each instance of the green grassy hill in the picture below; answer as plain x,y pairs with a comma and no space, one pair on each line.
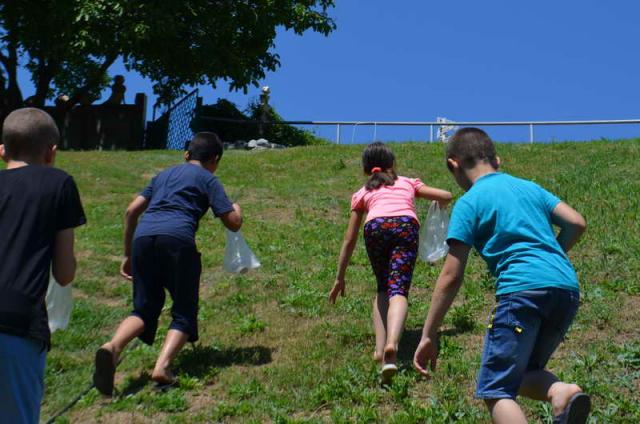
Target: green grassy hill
273,350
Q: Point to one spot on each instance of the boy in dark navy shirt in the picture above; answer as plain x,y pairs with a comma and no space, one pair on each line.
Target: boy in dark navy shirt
39,208
161,254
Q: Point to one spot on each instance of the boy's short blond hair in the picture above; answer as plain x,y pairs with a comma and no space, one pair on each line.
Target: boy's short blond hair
27,133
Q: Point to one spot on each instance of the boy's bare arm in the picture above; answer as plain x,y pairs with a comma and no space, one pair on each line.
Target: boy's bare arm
445,291
572,225
233,220
443,197
134,210
63,264
348,245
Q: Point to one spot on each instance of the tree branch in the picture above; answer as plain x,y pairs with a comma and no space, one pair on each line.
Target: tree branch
75,98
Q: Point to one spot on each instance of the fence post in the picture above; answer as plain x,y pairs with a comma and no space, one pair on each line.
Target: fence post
375,131
431,133
338,134
530,133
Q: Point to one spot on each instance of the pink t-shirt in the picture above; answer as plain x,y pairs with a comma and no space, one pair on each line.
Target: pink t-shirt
395,200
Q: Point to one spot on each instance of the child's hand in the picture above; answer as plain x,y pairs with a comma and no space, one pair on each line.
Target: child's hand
427,352
125,268
338,288
444,203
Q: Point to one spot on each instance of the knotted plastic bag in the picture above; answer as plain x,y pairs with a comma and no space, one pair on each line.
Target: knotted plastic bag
433,234
59,305
238,258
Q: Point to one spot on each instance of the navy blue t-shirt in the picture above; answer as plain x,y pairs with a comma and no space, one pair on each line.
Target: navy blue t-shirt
178,197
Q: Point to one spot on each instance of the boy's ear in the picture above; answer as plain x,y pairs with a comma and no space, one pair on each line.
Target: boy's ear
186,155
452,164
498,162
3,153
50,155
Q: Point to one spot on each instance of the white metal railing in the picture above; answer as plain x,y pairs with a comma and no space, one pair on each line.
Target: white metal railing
436,124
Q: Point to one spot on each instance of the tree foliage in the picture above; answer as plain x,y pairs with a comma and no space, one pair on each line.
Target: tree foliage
68,45
234,125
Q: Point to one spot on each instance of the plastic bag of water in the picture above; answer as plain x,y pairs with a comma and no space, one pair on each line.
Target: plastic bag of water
433,234
238,257
59,305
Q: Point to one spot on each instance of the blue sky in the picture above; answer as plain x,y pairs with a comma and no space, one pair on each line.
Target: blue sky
460,59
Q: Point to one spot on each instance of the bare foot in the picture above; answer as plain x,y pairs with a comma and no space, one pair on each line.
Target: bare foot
390,354
560,394
377,357
163,376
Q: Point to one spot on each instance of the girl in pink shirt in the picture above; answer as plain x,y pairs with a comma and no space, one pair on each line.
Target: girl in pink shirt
391,238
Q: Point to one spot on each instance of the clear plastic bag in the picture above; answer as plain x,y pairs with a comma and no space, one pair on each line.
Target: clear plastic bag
433,234
59,302
238,257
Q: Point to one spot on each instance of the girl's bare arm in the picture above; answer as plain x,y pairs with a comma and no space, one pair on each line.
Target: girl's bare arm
443,197
348,245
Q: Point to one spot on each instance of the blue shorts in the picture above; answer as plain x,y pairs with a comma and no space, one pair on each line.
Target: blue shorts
22,363
525,328
162,263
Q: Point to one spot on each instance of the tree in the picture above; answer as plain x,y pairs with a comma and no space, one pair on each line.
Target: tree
68,45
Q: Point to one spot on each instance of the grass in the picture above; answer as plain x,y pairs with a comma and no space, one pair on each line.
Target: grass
273,350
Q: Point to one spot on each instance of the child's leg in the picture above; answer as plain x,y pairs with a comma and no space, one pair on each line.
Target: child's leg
380,310
182,269
173,343
538,383
544,385
402,260
378,252
398,307
129,329
505,411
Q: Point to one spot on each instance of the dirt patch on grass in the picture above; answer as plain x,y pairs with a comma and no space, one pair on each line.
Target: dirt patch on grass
627,321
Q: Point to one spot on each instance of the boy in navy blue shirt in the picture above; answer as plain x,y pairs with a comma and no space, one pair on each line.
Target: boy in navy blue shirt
160,253
509,222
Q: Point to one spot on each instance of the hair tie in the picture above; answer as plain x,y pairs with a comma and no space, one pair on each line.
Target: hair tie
376,169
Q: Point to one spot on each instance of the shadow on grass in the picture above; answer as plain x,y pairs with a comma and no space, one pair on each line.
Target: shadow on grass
135,385
204,361
411,338
200,361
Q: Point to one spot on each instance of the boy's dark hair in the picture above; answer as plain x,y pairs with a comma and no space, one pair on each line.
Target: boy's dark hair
204,147
377,155
470,146
28,132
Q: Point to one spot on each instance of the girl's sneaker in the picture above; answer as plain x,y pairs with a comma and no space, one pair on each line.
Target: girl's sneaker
387,373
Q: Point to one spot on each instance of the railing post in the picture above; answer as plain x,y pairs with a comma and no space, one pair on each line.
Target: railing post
530,133
338,134
431,133
375,131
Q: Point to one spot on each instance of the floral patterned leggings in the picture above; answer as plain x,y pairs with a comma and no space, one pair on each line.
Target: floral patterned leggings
392,246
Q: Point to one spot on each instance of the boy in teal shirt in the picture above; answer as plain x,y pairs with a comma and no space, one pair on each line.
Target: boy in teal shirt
509,222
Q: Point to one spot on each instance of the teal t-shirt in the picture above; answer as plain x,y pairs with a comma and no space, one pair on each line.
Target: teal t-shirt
508,221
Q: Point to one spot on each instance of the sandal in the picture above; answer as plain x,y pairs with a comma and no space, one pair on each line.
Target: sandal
163,387
104,372
576,411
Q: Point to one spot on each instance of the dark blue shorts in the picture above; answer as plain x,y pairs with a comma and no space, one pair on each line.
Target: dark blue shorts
22,363
525,328
165,262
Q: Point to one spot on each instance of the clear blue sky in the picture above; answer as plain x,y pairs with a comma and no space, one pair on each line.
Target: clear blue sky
461,59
